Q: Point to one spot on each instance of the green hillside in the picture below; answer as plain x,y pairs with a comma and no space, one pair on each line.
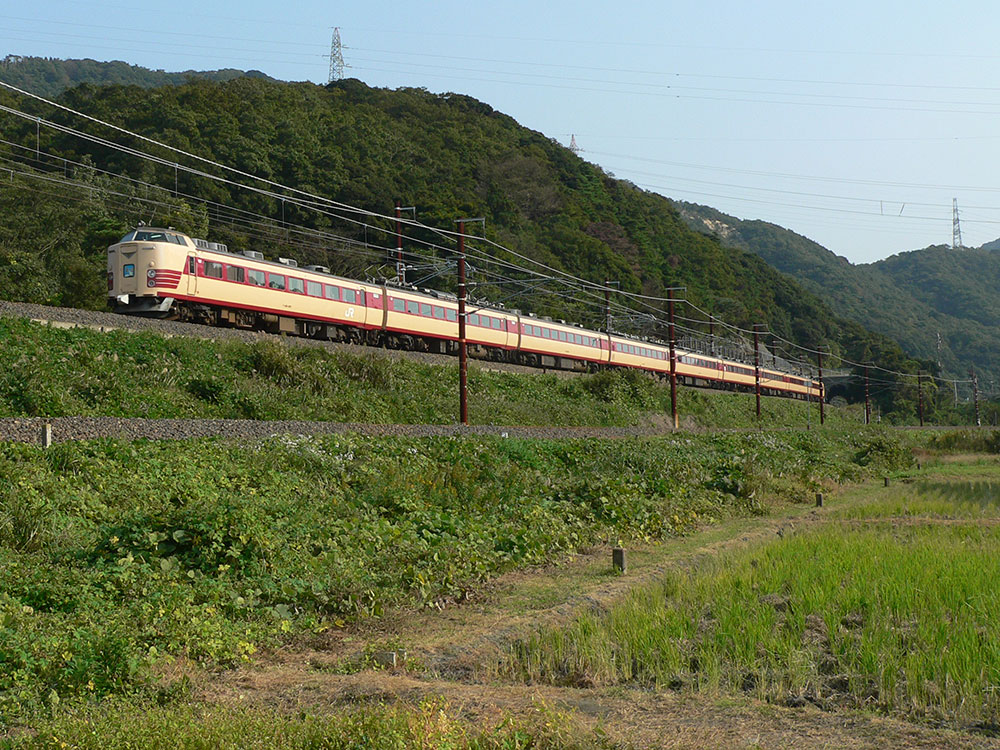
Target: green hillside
911,297
448,155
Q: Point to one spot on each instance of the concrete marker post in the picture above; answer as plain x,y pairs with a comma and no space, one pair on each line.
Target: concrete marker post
618,560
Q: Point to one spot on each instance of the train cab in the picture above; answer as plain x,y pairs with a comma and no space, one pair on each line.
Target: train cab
144,266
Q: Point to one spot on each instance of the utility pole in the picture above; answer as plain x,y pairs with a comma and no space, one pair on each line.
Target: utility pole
868,405
920,397
463,362
975,394
463,354
607,303
400,275
711,335
400,266
673,359
822,412
756,364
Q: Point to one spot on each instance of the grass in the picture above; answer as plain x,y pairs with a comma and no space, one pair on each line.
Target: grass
115,556
431,724
77,372
899,617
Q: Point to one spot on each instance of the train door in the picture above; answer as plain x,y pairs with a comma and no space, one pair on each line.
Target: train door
128,256
192,275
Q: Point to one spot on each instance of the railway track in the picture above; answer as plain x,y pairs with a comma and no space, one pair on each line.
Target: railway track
68,429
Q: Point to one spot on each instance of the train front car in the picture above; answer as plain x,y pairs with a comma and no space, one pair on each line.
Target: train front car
144,267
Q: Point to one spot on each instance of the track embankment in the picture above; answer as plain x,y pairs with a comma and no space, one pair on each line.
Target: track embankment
67,317
66,429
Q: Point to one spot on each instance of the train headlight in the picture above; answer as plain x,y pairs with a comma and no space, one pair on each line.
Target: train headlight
151,273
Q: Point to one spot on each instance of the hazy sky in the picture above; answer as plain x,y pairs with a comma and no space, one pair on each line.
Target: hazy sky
853,123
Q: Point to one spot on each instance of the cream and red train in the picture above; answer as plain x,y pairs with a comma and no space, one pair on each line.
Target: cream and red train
165,273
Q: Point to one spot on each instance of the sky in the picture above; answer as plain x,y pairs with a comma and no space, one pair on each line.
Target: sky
854,123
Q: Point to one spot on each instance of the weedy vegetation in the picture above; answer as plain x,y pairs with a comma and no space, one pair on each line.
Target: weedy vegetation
893,608
431,724
57,372
117,555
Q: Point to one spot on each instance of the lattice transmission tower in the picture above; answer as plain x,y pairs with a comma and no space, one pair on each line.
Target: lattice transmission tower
956,227
336,58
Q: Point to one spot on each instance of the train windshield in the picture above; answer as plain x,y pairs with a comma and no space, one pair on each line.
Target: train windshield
153,235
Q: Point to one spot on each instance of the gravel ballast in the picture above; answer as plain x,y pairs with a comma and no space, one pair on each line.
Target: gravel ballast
67,429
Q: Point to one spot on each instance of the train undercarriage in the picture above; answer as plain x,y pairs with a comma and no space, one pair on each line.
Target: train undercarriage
286,325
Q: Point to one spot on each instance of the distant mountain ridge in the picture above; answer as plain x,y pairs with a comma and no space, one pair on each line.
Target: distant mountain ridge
51,76
912,297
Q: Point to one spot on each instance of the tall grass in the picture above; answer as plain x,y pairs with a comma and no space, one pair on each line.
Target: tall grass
431,724
937,499
903,619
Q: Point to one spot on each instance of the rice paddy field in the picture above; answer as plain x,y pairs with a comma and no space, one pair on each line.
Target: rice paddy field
888,604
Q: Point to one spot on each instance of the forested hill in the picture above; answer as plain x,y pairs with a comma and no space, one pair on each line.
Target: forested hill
449,155
49,77
959,283
912,296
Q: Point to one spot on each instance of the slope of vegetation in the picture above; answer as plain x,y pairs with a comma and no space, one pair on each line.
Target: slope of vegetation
53,372
115,556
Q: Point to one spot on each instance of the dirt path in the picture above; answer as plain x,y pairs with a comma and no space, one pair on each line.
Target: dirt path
456,651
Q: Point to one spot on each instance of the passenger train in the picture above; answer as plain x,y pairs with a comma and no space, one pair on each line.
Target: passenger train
162,272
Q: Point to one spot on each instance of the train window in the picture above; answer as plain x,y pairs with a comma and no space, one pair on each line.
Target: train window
495,323
180,240
255,277
438,312
332,292
314,289
473,320
150,236
425,309
413,307
350,296
399,305
213,270
235,273
296,285
128,237
191,264
451,315
276,281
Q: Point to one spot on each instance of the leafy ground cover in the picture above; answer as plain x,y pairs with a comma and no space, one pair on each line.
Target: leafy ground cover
58,372
892,608
115,556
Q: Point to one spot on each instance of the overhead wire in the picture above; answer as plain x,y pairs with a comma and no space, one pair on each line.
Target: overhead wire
588,288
